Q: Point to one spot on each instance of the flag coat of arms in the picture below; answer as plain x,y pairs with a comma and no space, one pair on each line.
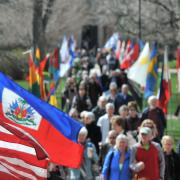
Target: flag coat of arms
46,127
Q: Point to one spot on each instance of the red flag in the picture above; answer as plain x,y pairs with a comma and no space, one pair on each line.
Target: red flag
53,130
165,84
18,159
33,77
178,66
36,77
41,77
130,56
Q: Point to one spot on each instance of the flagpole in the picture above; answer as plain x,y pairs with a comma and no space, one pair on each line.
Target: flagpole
139,19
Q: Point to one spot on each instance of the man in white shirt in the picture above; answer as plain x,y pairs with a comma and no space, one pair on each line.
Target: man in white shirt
104,121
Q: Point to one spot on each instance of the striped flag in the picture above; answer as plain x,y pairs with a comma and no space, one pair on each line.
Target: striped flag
130,56
18,159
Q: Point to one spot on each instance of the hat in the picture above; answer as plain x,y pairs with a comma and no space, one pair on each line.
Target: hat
145,130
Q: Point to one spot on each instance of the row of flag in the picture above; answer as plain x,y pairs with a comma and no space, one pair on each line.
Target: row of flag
59,62
142,67
32,132
126,53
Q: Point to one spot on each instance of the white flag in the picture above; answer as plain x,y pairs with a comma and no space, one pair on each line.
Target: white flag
112,42
138,72
65,57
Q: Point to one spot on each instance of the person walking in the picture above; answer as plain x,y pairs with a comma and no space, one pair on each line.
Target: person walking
147,159
116,165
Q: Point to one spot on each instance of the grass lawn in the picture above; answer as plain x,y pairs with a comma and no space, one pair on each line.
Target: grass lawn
22,83
173,129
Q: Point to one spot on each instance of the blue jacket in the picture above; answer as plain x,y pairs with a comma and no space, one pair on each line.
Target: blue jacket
122,99
115,172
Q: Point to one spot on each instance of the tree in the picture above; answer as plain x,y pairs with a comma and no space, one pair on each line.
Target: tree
40,20
160,19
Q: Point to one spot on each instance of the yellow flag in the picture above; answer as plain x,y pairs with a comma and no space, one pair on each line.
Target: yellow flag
53,100
38,55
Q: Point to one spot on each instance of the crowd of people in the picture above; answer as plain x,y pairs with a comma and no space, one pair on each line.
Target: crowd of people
121,141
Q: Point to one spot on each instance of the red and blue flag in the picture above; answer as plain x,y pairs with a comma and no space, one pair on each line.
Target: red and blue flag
54,131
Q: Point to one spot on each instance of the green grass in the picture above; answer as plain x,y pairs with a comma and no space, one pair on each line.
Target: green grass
172,64
23,84
173,129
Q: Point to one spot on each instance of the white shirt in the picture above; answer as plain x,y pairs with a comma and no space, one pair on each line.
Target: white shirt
104,124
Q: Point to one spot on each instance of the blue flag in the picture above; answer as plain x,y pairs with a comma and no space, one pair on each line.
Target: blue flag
152,73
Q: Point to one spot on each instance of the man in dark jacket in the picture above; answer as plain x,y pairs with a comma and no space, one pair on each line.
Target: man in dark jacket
156,114
122,98
100,109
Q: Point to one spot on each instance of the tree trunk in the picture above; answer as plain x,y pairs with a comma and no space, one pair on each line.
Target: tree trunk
39,40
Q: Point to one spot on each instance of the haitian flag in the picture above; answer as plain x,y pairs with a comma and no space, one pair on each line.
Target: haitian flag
54,131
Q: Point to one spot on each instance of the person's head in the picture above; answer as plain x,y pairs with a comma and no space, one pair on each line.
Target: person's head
145,134
82,135
124,89
110,109
167,144
117,123
112,137
82,91
102,101
150,124
122,142
89,117
85,76
93,75
71,82
123,111
82,115
74,113
132,107
152,101
113,88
